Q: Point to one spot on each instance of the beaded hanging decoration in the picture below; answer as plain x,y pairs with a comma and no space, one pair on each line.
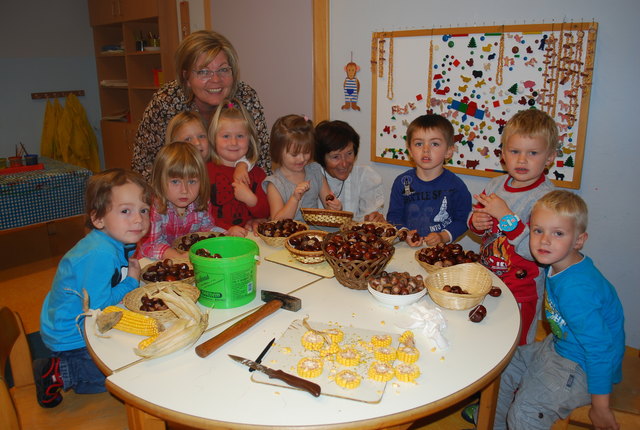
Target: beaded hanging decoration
381,51
374,54
550,86
430,74
500,69
390,72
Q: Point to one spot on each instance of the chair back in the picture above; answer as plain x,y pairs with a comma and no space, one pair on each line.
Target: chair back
15,350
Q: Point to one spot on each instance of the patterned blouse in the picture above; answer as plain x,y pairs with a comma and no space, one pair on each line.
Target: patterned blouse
171,100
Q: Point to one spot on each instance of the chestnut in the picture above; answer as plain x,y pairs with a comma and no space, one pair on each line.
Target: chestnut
329,197
495,291
521,274
478,313
415,237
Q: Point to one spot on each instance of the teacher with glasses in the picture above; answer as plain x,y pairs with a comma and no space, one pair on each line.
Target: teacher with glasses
207,69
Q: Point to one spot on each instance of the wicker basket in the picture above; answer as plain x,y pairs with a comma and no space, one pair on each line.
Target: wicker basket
351,224
307,257
326,217
355,274
471,277
277,242
201,235
190,280
133,299
430,268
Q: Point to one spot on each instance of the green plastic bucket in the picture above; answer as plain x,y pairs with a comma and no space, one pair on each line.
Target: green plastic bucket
230,281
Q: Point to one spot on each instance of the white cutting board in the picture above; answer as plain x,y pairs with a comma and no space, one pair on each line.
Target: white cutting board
288,350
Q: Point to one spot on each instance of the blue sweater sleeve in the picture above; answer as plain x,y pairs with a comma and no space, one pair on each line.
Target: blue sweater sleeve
396,204
461,207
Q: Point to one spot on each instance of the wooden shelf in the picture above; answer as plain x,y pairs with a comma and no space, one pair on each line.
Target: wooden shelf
121,23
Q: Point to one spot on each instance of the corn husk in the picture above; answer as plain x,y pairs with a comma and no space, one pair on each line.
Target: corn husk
184,331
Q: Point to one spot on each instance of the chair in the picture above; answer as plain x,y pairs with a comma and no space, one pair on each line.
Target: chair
19,407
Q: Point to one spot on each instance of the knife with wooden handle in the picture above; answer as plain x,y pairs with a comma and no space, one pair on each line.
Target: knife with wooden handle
289,379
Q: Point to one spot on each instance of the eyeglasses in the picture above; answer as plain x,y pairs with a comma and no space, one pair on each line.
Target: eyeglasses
206,74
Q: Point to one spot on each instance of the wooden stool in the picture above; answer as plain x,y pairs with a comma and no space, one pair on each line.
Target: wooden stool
625,398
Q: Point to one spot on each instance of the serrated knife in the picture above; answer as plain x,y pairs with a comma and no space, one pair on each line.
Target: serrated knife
289,379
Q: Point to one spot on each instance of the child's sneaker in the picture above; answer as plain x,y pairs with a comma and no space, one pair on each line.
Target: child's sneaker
48,381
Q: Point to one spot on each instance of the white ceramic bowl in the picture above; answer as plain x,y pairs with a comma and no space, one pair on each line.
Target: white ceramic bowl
397,299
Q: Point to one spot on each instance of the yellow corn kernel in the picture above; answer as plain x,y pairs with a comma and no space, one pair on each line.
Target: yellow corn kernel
310,367
312,340
407,372
408,354
146,342
348,357
335,334
133,322
381,340
406,337
385,354
348,379
381,372
328,350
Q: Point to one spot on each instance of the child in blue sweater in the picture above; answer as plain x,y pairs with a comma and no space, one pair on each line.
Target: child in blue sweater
430,199
117,205
581,359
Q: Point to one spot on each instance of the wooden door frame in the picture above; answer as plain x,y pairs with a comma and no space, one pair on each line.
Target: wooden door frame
320,60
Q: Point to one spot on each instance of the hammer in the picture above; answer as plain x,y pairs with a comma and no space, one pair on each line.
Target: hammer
274,301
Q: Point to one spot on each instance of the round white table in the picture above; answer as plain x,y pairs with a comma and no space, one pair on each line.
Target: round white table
216,392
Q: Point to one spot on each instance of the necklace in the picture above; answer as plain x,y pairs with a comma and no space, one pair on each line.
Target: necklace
341,185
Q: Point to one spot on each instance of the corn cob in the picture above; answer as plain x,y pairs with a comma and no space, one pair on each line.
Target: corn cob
408,354
146,342
348,379
386,354
381,372
406,372
381,340
310,367
348,357
135,323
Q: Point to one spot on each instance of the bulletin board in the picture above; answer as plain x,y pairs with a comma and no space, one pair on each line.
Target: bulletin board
478,77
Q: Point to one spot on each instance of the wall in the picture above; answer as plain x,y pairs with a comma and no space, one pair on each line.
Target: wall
273,39
44,46
612,150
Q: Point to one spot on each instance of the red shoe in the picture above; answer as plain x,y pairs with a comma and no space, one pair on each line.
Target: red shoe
48,382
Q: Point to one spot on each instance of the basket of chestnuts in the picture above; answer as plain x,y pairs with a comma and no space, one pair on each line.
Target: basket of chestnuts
459,287
140,300
184,243
356,256
326,217
306,246
275,233
381,229
442,255
168,270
